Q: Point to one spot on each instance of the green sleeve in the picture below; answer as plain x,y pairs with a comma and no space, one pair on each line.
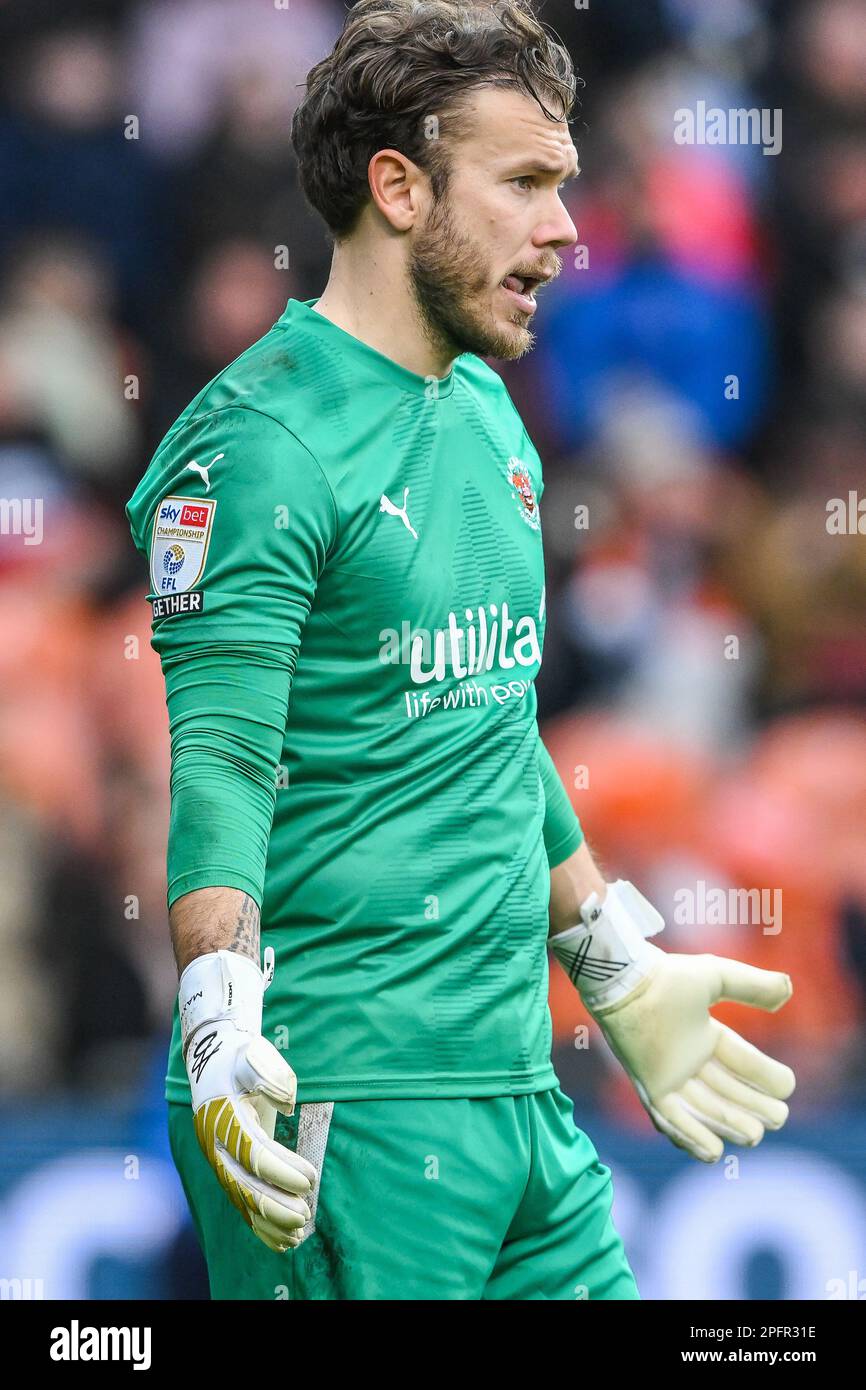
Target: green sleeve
228,665
562,832
227,709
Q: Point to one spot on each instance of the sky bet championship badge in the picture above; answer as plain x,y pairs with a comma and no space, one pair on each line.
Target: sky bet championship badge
181,535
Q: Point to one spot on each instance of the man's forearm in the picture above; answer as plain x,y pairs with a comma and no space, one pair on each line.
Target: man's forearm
214,919
571,883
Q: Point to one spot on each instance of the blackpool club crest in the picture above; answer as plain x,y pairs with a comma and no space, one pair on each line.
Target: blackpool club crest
520,480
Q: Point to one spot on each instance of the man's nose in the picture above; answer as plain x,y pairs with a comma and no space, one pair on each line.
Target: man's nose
559,231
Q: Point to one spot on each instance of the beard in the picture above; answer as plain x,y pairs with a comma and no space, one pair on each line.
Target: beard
451,287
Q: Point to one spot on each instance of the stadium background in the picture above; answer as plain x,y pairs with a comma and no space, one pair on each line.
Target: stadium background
151,227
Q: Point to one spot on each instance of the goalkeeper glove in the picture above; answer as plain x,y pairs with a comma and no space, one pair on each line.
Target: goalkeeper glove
698,1080
239,1081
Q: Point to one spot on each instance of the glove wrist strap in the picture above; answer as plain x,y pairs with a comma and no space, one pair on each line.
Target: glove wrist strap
607,954
223,986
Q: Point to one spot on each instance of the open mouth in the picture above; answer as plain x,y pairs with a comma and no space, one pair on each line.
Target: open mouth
521,290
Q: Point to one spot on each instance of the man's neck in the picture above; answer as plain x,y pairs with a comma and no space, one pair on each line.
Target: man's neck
374,304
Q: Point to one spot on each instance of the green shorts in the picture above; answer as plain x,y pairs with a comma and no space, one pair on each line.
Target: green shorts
499,1198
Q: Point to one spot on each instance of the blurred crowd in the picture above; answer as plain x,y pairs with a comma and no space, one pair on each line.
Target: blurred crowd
697,395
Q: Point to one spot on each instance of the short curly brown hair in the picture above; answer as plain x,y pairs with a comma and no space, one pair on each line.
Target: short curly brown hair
403,70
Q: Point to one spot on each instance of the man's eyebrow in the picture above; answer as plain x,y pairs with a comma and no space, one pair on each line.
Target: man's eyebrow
540,166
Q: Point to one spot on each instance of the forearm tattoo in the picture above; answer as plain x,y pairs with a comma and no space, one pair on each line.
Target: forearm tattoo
214,919
246,938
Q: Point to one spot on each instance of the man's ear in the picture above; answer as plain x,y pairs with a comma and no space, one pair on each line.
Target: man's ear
397,187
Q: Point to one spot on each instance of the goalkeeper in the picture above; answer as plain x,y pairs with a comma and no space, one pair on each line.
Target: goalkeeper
369,846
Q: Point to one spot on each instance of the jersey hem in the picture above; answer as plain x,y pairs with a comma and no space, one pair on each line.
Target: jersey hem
403,1088
215,877
565,846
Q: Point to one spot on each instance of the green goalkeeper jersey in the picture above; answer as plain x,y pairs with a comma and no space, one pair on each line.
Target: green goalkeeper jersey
349,605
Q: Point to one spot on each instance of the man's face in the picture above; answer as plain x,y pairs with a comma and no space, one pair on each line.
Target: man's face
492,239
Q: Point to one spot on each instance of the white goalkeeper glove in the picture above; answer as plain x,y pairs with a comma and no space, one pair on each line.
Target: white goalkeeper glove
239,1081
698,1080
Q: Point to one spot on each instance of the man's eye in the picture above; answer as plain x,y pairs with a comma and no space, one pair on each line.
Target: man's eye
528,181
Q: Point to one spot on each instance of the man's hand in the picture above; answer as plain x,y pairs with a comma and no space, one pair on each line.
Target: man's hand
699,1081
239,1082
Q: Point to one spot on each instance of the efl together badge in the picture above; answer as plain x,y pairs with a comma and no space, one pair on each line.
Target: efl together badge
181,535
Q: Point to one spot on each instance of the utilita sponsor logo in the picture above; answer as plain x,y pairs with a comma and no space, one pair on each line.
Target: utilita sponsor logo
488,638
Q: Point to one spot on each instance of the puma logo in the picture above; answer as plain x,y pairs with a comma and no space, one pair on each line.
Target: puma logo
386,505
204,469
